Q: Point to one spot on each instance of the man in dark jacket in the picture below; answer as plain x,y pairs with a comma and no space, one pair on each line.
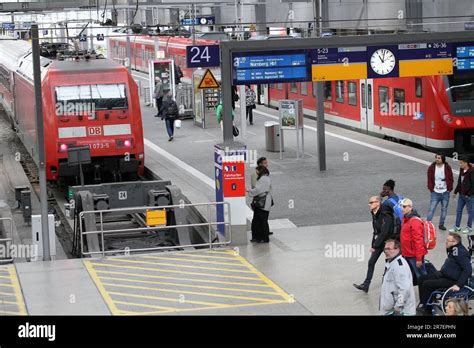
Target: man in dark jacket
169,112
382,223
454,273
465,188
440,184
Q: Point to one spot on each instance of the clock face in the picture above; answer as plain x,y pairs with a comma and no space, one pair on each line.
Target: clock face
382,61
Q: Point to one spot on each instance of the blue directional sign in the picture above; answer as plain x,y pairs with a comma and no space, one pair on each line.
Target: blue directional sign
8,25
208,20
83,38
203,56
271,67
464,58
100,37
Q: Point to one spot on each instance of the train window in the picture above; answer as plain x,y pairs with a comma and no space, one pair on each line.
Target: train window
293,87
418,87
369,96
363,96
271,85
383,99
461,88
399,101
100,97
352,93
280,86
327,90
304,88
340,91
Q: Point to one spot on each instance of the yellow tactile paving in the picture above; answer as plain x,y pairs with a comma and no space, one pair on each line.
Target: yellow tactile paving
11,297
166,283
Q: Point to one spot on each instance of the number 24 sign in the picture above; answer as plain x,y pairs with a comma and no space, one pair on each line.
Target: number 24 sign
203,56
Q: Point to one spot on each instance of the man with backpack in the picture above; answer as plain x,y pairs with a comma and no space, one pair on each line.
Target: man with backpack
382,223
412,239
454,273
169,112
465,188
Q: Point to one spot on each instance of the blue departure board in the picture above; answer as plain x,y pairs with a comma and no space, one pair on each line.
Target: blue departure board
464,58
465,51
268,67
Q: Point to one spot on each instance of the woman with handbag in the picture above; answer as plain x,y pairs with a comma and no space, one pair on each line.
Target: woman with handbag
262,202
250,102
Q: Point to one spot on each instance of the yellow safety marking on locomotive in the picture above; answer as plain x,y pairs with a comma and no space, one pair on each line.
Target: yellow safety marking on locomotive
126,291
11,292
177,265
142,275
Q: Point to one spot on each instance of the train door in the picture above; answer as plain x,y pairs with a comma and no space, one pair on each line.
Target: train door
367,105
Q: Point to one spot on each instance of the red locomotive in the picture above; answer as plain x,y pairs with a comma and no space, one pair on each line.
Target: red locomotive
86,102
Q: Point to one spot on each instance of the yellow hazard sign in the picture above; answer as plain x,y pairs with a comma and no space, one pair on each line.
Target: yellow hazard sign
208,81
156,217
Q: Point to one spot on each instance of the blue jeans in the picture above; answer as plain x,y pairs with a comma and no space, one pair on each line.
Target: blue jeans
436,198
468,202
170,126
417,272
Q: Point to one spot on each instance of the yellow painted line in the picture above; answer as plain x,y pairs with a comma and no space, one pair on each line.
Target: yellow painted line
209,308
9,285
176,265
265,279
7,293
7,277
197,261
7,302
205,256
9,312
144,306
192,286
179,291
220,252
17,290
184,279
171,271
105,295
215,305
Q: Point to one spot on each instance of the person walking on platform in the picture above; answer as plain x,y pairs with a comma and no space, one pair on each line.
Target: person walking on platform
262,202
250,102
382,223
397,296
388,191
440,184
169,112
454,273
412,239
158,94
465,188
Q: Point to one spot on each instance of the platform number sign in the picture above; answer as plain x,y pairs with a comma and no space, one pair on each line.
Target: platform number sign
100,37
83,38
25,6
122,195
202,56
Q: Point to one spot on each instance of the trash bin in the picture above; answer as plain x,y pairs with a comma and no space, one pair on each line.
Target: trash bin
272,136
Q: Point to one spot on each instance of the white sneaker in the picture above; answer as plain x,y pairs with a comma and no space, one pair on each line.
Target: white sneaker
455,229
467,230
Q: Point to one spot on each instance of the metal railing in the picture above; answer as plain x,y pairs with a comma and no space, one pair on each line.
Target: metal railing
7,239
135,210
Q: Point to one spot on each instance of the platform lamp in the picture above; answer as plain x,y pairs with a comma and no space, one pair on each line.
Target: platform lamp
78,156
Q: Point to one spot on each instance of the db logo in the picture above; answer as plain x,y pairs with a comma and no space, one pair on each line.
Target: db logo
94,130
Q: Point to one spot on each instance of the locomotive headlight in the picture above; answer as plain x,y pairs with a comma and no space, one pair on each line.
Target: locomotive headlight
62,148
458,122
124,143
127,143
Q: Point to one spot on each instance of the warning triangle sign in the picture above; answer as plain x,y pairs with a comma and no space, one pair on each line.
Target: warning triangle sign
208,81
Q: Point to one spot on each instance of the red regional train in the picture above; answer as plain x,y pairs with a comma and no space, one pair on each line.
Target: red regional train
91,103
436,112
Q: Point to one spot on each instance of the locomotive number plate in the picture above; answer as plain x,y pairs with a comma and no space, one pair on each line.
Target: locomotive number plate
97,130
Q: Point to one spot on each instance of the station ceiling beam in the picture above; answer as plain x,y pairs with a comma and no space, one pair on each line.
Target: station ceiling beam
45,6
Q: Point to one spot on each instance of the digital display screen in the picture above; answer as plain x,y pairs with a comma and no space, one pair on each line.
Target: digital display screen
263,67
465,51
465,64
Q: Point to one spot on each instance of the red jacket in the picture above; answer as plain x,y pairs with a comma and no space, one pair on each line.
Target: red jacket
412,237
448,174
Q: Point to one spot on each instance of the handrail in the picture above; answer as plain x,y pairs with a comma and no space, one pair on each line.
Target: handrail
7,239
143,209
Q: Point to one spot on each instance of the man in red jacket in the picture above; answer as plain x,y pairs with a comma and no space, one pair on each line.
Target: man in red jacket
412,239
440,184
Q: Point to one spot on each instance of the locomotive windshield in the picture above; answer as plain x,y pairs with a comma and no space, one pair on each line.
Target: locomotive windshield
461,94
101,97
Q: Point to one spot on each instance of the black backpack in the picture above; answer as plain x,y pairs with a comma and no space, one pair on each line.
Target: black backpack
172,110
397,227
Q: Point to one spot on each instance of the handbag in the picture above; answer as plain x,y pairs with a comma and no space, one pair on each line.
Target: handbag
235,131
259,201
253,106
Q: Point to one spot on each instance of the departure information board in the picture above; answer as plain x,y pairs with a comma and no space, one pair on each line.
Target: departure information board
464,62
271,67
